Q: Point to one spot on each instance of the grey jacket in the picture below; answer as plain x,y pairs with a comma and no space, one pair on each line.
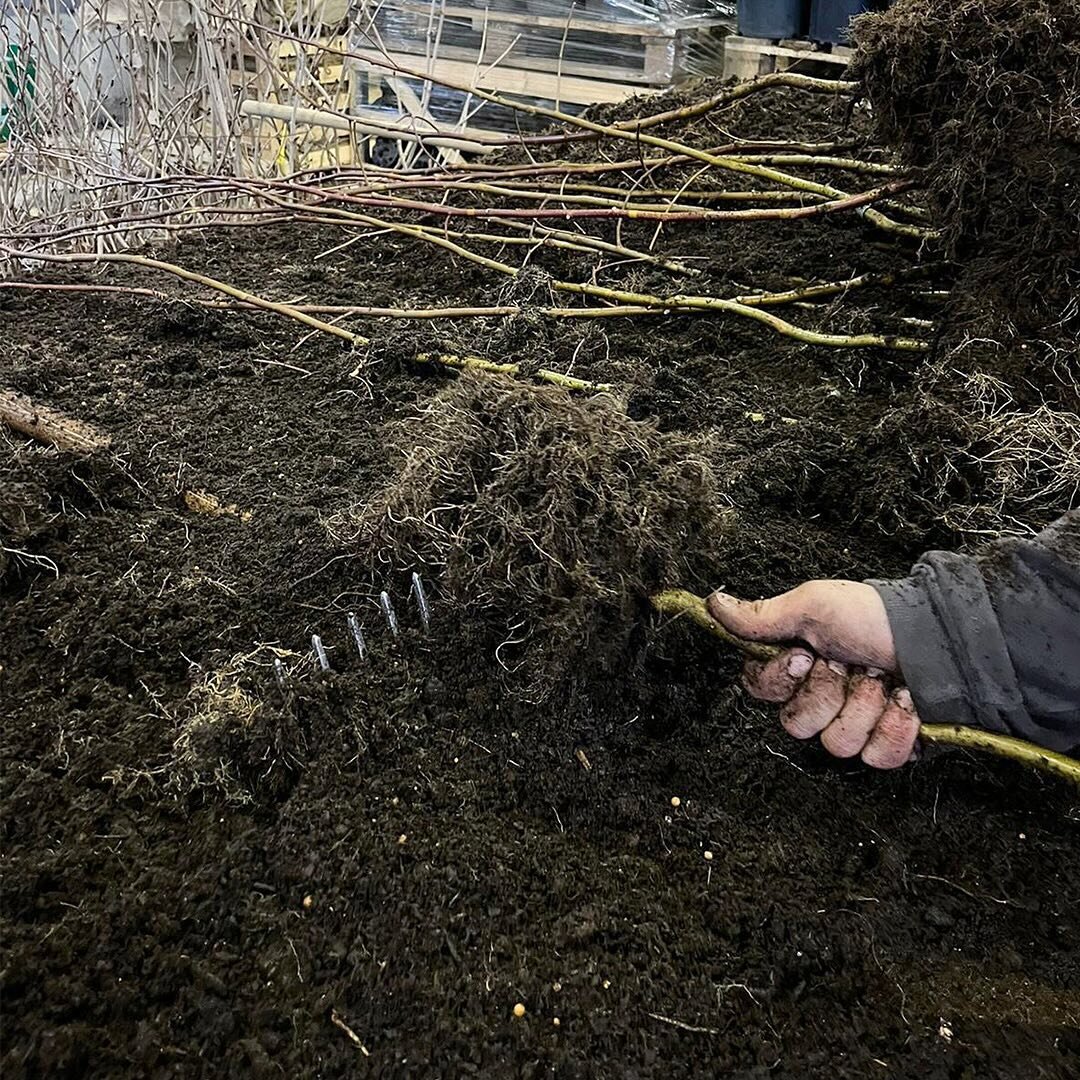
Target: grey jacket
993,640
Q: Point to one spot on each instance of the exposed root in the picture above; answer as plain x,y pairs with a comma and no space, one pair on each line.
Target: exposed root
1031,459
230,740
550,518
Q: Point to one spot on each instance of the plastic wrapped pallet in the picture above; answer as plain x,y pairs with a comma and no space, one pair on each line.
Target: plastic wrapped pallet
554,52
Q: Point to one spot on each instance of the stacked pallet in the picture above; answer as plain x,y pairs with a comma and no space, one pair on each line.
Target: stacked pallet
561,53
566,53
747,57
578,54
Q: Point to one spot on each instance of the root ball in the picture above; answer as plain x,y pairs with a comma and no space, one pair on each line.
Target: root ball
983,96
549,517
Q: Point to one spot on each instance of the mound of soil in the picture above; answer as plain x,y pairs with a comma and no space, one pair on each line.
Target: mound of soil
552,517
983,97
216,868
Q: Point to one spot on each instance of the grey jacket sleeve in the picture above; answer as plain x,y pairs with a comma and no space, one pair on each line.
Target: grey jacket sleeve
993,640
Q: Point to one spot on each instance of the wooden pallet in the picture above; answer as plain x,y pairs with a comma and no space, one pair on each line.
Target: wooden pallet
520,82
586,45
578,61
746,57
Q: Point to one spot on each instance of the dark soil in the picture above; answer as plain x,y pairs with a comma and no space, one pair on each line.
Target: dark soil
207,874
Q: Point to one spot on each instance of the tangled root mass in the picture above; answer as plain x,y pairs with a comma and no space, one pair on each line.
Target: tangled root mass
983,96
549,517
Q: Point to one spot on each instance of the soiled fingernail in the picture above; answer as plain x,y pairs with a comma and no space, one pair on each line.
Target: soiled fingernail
903,698
799,665
874,672
836,666
720,599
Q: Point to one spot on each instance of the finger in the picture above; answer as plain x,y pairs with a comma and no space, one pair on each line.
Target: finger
851,730
818,701
847,620
893,739
841,620
777,679
777,619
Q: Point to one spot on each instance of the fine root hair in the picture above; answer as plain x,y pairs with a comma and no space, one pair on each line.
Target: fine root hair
1030,459
230,740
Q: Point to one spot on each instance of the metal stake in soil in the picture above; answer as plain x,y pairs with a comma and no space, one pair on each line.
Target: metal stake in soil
421,602
388,611
357,634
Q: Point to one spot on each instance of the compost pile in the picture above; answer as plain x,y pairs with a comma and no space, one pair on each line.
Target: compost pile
983,98
222,858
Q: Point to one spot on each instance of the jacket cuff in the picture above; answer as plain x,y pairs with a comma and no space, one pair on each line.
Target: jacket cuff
923,652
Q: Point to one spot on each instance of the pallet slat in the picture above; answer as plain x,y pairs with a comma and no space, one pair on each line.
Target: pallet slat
623,50
420,50
744,57
599,25
537,84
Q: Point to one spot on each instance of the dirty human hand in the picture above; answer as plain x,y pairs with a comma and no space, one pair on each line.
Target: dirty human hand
835,687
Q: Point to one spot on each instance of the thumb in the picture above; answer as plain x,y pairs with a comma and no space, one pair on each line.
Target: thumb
757,620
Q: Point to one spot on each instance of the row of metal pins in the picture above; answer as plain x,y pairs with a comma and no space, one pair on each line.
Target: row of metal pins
352,620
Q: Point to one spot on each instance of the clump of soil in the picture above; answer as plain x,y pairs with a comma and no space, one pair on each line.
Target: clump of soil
230,738
984,98
554,516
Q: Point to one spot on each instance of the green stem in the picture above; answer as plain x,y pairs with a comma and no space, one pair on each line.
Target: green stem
479,363
1005,746
676,602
